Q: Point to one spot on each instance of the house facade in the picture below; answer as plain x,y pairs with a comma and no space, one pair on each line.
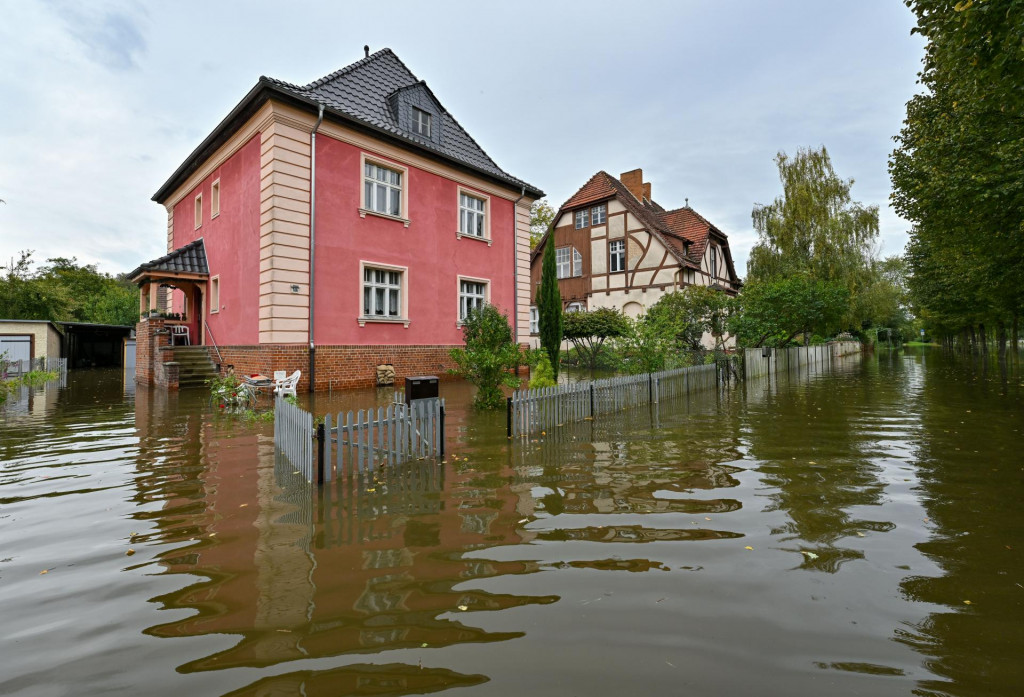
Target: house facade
616,247
344,224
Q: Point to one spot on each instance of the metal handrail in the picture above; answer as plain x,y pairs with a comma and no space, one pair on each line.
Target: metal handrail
209,333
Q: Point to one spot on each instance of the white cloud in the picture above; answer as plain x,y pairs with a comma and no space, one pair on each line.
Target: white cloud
102,101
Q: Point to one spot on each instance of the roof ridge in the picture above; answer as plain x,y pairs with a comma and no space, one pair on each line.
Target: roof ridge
352,66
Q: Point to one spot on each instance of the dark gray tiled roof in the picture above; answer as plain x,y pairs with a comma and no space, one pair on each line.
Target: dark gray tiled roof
360,91
188,259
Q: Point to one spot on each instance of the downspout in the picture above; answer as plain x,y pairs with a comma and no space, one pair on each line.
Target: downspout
312,249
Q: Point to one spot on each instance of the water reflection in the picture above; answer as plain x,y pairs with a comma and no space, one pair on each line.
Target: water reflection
365,565
972,481
824,457
653,548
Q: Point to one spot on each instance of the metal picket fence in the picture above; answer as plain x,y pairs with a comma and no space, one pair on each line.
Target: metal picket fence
761,361
365,440
535,410
358,442
27,365
293,435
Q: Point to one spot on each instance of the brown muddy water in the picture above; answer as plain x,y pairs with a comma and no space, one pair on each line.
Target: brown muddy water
853,533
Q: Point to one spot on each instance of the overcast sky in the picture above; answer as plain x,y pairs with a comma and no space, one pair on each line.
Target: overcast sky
101,101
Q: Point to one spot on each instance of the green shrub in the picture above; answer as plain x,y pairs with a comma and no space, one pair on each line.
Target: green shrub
490,356
542,375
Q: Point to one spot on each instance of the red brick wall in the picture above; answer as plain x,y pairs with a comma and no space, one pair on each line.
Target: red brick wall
337,367
153,356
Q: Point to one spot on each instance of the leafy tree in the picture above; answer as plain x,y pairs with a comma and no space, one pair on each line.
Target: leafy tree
26,295
644,348
490,356
815,228
684,316
958,167
773,312
62,290
541,215
549,308
588,331
543,374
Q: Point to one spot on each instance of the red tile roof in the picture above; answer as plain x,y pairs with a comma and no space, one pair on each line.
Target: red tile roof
676,229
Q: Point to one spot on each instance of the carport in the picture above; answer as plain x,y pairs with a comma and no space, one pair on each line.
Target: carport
94,345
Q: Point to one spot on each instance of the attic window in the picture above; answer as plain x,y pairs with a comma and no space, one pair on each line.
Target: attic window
582,218
421,125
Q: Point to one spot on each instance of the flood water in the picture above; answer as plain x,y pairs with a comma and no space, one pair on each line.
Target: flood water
859,532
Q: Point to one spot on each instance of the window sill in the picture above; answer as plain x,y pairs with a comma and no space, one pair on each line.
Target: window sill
466,235
363,212
382,320
214,215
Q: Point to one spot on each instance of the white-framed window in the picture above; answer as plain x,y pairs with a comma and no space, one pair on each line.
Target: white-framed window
199,211
382,293
598,214
563,261
616,256
574,307
714,261
582,218
472,295
214,294
382,189
534,320
577,263
472,217
421,122
215,199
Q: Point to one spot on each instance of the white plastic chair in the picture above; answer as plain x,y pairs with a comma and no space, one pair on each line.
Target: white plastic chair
279,376
180,330
287,386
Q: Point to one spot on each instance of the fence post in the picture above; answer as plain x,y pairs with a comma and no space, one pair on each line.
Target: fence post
440,438
320,454
592,400
508,416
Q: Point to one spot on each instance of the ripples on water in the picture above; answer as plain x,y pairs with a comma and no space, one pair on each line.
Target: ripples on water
795,536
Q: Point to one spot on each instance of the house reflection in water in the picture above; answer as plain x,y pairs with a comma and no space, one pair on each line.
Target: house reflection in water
362,566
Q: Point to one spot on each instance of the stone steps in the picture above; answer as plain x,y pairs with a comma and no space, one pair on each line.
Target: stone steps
194,366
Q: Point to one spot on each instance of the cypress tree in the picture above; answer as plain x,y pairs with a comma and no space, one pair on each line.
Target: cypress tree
549,307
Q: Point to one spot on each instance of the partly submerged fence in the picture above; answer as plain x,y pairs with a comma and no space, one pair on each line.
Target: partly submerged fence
361,441
529,411
364,441
27,365
293,435
761,361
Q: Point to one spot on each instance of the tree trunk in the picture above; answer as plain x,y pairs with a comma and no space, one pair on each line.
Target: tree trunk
974,341
1001,339
982,337
1016,337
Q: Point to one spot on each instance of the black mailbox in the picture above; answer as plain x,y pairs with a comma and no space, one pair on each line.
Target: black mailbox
420,387
766,352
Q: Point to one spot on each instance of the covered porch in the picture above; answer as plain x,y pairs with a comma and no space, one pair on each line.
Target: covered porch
184,275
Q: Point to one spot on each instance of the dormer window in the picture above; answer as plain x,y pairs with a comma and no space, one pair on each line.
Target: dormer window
421,125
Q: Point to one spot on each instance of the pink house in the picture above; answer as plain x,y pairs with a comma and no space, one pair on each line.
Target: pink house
332,228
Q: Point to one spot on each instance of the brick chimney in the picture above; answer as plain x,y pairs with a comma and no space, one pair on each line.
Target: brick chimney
634,181
647,190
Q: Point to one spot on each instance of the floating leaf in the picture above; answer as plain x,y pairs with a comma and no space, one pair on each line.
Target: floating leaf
860,534
809,555
129,552
463,607
967,602
748,547
44,571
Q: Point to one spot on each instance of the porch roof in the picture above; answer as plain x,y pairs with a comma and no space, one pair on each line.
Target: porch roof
188,262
